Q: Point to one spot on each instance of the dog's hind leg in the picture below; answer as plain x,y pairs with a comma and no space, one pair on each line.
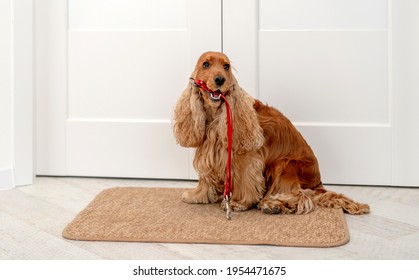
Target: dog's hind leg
285,196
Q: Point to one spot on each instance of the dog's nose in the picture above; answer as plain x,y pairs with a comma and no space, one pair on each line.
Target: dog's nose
219,80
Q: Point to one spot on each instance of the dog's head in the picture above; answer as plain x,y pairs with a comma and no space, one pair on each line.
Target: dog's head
214,69
193,111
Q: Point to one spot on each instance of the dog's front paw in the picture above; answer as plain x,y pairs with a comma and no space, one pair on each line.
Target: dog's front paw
189,197
200,195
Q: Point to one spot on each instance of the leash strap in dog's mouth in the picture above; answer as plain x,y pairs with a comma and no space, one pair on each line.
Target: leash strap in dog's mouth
215,95
228,184
201,84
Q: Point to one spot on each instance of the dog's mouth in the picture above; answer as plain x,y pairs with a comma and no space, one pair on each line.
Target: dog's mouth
215,96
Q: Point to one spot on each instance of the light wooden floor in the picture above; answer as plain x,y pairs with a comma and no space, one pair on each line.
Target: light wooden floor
33,217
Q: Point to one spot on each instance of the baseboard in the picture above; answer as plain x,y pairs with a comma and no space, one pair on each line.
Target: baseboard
6,179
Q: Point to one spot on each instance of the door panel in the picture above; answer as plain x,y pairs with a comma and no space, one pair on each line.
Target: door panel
125,64
344,74
323,14
127,15
125,75
122,148
325,65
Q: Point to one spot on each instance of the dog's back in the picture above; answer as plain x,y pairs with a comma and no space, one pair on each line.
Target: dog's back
286,149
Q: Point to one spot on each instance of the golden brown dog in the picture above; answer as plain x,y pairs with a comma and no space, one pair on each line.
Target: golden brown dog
273,168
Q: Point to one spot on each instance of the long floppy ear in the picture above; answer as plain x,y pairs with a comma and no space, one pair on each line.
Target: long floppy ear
247,132
189,118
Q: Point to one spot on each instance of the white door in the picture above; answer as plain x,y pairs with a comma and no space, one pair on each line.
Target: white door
330,66
108,75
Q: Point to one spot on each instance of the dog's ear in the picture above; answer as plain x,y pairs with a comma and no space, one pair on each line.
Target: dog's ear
247,132
189,118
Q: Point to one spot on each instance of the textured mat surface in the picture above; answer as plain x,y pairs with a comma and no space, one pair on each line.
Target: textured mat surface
159,215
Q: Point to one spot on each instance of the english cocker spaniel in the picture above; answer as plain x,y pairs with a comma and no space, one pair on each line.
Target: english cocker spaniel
273,167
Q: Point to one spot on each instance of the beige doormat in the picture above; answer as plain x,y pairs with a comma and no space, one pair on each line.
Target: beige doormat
159,215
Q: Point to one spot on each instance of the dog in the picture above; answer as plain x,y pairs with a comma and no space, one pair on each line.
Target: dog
273,167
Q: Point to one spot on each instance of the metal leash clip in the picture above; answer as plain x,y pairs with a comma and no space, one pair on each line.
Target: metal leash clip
228,209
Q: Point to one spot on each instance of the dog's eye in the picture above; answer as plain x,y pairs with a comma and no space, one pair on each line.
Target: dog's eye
205,64
227,66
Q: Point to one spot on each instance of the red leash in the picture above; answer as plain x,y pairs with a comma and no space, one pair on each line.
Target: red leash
228,184
201,84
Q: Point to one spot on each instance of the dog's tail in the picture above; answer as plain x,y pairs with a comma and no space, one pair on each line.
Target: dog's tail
325,198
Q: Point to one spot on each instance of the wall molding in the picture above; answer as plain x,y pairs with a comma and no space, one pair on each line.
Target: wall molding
23,92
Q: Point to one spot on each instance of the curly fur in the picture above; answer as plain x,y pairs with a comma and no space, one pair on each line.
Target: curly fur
273,167
189,125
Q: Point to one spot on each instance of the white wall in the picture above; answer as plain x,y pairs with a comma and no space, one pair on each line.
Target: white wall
6,106
16,93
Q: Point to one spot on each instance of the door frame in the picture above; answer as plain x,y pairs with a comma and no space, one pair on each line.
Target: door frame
21,167
23,93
